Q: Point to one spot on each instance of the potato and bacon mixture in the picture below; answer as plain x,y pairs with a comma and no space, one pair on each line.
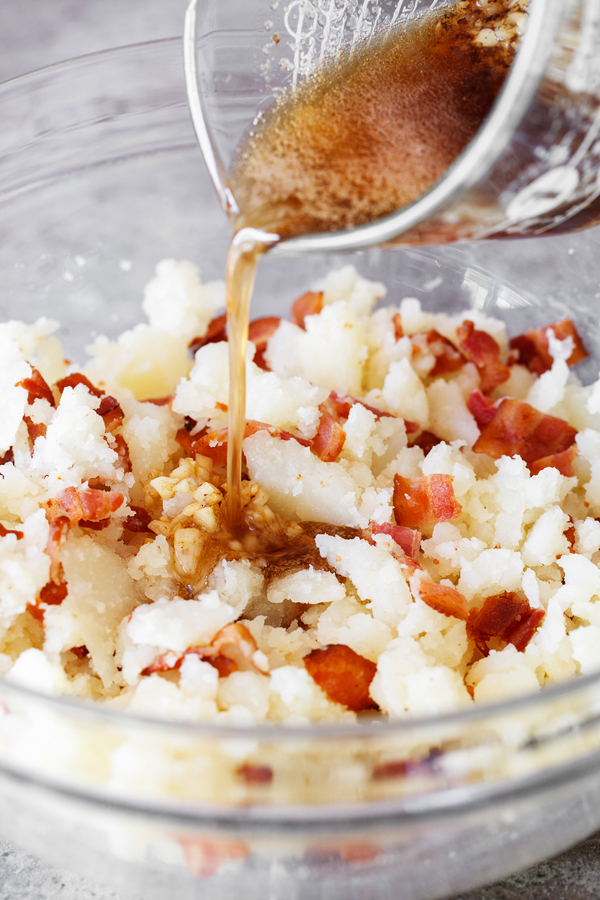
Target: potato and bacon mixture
422,498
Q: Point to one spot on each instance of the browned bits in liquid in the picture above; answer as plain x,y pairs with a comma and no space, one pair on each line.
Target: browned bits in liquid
372,132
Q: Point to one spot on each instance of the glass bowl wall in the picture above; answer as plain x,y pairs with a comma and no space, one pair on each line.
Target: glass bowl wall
100,178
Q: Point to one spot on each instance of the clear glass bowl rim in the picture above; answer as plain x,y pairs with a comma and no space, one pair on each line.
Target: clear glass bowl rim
362,729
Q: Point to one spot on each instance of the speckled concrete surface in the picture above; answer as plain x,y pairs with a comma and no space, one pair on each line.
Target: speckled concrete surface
35,33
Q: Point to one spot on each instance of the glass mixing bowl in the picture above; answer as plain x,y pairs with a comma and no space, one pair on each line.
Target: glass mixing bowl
100,178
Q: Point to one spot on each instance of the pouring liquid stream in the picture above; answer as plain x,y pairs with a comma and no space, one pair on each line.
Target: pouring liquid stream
363,137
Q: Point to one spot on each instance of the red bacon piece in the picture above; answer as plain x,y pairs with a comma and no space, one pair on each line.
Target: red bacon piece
481,408
53,594
481,349
505,616
341,404
561,461
533,347
309,304
259,332
255,774
427,440
329,440
59,527
139,521
34,430
448,358
444,599
406,538
160,401
215,333
37,388
518,429
75,379
111,413
398,329
122,450
421,502
4,531
344,675
204,856
95,526
87,504
232,647
214,443
7,457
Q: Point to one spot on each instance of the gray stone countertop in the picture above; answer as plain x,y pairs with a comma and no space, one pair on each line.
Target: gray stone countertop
36,33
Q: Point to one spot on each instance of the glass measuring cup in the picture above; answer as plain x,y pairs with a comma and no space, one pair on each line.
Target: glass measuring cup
532,168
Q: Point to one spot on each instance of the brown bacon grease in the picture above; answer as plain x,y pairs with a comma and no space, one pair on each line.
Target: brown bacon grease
505,616
518,429
422,502
343,675
309,304
533,348
444,599
481,349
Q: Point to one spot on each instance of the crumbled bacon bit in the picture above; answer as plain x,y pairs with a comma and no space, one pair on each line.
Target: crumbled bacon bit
122,450
215,333
232,648
7,457
518,429
349,851
561,461
481,349
398,329
341,404
448,358
406,538
161,401
481,408
444,599
256,774
309,304
204,856
427,440
4,531
400,768
422,502
343,675
533,347
505,616
80,652
37,388
139,521
58,530
95,526
75,379
111,413
214,443
259,332
53,594
36,612
34,430
81,503
329,440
